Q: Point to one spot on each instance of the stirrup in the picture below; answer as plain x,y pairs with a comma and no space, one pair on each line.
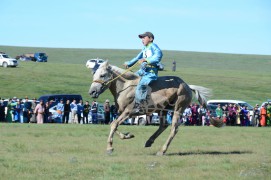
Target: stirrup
138,109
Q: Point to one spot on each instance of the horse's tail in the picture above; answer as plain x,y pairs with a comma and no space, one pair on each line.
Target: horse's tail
202,94
217,122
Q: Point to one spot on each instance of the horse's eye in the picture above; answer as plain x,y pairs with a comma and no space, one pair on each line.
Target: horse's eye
102,76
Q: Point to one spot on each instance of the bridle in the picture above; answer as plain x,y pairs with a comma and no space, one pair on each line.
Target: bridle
111,79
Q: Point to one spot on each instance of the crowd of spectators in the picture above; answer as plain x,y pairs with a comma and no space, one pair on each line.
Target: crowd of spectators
231,114
25,111
235,115
15,110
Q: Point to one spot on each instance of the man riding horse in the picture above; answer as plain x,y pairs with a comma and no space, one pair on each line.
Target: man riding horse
148,59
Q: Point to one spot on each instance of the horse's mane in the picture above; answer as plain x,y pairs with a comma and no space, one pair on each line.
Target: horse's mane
127,75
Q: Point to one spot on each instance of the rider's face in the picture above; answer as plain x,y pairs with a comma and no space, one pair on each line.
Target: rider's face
146,40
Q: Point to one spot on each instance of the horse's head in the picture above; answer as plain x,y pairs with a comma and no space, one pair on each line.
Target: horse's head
101,80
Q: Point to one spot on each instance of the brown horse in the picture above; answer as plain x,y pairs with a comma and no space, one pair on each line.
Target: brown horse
165,93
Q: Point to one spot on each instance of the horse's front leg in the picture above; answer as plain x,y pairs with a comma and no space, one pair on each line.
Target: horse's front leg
113,129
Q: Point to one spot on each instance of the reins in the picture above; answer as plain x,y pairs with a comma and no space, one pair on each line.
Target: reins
120,75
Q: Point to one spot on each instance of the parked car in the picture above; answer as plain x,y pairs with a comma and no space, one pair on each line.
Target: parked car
56,117
92,62
57,97
6,61
37,57
142,120
266,102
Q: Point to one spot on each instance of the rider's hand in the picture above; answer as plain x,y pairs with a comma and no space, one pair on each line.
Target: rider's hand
141,61
126,66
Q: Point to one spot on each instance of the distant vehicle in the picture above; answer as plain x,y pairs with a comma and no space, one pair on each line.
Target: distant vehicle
6,61
266,102
38,57
142,120
240,103
57,97
56,117
92,62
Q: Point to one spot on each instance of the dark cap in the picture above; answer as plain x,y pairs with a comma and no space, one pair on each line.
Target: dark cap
149,34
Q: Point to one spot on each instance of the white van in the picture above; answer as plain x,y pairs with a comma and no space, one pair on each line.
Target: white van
223,102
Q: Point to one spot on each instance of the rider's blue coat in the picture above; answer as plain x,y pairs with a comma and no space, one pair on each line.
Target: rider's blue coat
148,70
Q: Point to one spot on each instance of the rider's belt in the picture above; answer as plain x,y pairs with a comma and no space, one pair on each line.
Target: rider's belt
151,66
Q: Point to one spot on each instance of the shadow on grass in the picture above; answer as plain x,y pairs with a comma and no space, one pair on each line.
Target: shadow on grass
208,153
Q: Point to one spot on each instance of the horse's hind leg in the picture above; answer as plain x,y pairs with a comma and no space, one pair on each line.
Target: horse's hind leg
173,132
161,129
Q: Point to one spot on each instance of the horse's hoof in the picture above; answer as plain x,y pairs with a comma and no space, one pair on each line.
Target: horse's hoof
148,144
109,151
159,153
129,136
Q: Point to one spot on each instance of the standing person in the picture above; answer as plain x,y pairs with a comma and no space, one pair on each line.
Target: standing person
74,119
256,116
39,111
268,114
187,116
234,114
2,111
46,112
219,111
18,115
67,110
246,116
80,111
86,112
225,114
231,116
27,110
263,114
202,115
174,66
9,111
94,111
148,59
238,111
33,118
107,111
195,114
114,112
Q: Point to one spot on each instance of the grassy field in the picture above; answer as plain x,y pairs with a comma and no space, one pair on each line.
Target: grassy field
230,76
57,151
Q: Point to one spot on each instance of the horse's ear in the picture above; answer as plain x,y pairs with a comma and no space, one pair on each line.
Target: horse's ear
107,65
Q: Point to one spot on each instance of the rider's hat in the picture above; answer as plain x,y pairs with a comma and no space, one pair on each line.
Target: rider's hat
149,34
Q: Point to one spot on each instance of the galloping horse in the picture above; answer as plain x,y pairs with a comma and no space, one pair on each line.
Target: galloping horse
168,92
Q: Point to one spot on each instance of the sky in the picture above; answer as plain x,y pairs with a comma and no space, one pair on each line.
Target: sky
231,26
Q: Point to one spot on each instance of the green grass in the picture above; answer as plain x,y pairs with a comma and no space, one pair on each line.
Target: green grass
57,151
230,76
